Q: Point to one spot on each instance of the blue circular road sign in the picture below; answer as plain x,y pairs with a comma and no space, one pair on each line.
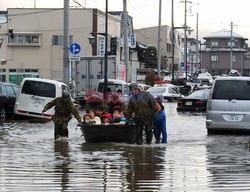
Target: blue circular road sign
75,48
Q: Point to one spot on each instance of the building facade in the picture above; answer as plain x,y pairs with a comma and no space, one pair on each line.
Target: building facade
37,47
218,56
149,36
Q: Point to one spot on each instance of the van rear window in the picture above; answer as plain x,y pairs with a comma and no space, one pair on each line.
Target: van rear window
231,89
39,89
110,88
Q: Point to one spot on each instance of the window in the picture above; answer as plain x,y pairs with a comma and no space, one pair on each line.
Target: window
16,89
214,44
234,58
17,75
214,58
172,90
10,90
229,43
231,89
2,78
25,40
39,88
58,40
110,87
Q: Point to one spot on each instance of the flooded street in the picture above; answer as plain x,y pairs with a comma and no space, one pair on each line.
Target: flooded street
30,159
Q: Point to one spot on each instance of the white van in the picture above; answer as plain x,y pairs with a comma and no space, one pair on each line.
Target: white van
115,86
34,94
228,105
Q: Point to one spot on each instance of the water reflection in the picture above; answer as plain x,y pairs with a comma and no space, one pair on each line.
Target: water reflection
146,168
61,149
228,163
129,168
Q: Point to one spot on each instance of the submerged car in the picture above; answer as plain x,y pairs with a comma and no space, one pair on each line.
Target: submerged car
8,92
196,101
169,93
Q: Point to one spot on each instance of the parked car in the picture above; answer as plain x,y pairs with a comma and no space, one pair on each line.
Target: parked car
34,94
196,101
144,86
8,92
205,78
228,106
169,92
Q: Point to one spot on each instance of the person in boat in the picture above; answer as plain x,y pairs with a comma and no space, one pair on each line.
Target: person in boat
142,109
87,119
106,119
99,111
94,118
64,108
160,127
118,115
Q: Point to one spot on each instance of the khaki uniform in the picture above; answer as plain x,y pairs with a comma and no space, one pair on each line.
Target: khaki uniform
145,109
63,114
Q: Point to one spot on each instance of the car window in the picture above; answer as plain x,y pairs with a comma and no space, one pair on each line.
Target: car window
172,90
4,91
10,90
16,89
199,94
231,89
157,89
110,87
37,88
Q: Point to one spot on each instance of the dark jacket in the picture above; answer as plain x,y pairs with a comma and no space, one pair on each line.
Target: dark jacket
143,105
63,110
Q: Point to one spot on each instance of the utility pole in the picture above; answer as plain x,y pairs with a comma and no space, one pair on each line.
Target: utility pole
231,46
172,38
185,37
125,40
106,53
66,43
159,42
197,40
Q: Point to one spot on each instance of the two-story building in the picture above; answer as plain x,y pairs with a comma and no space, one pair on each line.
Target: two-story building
218,56
37,47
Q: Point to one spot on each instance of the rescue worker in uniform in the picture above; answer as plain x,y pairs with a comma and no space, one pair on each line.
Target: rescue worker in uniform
64,108
142,108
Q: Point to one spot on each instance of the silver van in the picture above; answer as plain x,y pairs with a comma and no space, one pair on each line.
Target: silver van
228,106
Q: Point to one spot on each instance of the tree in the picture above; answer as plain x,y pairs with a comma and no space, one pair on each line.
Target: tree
151,77
151,57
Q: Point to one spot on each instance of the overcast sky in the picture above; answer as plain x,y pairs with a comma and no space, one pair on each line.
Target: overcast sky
213,14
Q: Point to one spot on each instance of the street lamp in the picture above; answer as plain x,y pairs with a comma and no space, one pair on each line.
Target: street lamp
91,40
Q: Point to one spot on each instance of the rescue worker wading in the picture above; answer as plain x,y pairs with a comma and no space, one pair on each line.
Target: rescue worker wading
64,108
142,108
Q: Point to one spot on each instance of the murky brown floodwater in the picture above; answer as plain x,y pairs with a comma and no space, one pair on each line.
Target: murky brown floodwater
30,160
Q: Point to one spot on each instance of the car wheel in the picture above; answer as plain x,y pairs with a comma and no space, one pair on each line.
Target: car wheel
3,112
